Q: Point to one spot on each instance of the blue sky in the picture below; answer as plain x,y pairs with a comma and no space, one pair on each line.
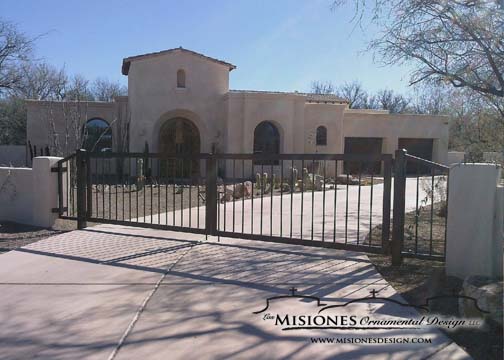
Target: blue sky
276,45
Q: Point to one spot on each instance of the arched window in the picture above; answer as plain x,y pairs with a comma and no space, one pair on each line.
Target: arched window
97,135
266,141
321,136
181,79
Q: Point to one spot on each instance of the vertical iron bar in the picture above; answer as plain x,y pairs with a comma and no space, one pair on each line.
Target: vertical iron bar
335,197
211,196
293,188
387,192
371,208
243,197
182,180
122,186
234,192
173,189
417,211
103,186
313,198
96,187
190,190
144,188
359,202
60,188
129,188
151,191
68,185
446,212
272,188
262,194
89,188
302,196
323,201
136,186
224,197
399,206
346,206
198,162
167,166
81,189
252,200
159,190
431,210
109,193
281,197
116,177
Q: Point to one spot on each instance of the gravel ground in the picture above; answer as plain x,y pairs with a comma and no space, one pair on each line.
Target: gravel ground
14,235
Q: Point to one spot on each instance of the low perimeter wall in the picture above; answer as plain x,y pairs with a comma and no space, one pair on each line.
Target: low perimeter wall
475,221
27,196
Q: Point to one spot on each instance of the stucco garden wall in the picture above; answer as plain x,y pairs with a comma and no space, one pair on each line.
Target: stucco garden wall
28,195
475,221
16,194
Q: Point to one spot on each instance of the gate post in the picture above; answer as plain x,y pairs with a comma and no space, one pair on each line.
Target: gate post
211,196
81,158
387,189
399,206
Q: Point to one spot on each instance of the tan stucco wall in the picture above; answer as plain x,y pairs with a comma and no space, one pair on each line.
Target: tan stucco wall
228,118
66,116
155,98
330,116
247,110
391,127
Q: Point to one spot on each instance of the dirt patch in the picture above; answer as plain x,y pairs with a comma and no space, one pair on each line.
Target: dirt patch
419,236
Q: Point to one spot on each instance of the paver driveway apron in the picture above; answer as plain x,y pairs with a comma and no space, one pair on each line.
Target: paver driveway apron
128,293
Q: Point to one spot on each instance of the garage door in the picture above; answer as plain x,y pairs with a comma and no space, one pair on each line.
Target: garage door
417,147
366,146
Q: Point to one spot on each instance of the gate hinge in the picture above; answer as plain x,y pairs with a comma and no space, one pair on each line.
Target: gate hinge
56,169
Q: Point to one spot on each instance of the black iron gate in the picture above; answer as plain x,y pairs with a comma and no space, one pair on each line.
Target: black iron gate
302,199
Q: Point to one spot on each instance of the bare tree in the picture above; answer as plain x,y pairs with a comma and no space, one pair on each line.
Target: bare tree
322,87
12,121
15,48
431,98
105,90
354,93
78,89
41,81
459,42
388,100
66,126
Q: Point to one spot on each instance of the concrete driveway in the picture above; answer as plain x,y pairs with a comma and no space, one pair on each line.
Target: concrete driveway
346,214
113,292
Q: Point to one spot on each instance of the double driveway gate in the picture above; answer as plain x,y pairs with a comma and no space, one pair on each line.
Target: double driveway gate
302,199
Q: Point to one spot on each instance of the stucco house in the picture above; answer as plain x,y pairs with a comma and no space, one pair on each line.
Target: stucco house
179,101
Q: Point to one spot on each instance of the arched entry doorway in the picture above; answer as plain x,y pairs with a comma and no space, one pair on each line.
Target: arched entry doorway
179,136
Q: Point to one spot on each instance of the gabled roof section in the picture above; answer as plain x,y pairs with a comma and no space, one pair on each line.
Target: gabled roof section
127,61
